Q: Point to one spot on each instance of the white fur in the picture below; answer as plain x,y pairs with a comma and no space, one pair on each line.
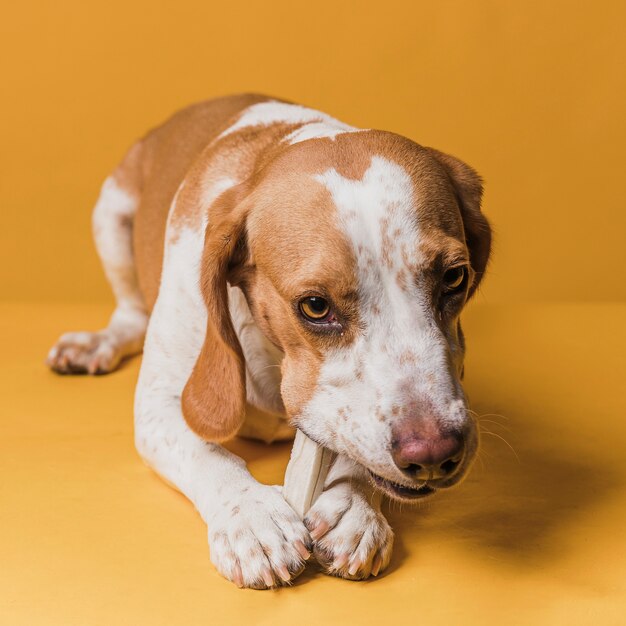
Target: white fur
111,223
101,351
358,534
314,123
319,130
402,355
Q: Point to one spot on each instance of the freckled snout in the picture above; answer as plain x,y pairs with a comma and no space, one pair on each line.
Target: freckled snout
426,453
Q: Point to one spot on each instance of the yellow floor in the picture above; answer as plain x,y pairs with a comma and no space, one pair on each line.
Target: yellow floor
536,535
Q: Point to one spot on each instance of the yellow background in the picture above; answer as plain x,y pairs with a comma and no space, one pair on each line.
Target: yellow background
530,93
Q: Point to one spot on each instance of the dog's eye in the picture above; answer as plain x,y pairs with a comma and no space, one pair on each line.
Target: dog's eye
314,308
454,279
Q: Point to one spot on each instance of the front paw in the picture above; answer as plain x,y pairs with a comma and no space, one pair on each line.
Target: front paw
85,353
352,539
257,540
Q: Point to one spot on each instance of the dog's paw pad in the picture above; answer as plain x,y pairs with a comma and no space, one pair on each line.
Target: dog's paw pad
84,353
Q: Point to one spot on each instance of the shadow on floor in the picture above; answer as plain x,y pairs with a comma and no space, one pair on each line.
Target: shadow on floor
514,502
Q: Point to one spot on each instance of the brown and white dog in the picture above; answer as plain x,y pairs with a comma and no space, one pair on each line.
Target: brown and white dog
273,256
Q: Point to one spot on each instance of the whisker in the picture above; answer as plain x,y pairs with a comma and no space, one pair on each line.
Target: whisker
504,417
483,451
479,457
478,415
488,432
482,419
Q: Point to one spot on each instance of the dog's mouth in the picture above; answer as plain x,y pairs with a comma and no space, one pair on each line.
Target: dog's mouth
401,492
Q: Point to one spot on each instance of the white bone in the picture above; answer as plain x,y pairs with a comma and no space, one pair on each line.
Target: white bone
306,473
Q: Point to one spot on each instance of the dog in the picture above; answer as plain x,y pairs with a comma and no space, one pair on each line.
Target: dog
282,269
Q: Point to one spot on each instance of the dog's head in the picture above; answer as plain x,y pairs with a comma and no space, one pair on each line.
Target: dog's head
356,255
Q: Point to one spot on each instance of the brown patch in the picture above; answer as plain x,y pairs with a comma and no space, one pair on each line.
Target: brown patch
406,259
344,413
125,222
155,167
407,358
380,414
237,156
402,279
358,370
440,250
387,244
220,537
214,398
468,189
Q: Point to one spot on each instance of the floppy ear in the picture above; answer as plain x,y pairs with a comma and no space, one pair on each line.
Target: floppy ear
214,398
469,191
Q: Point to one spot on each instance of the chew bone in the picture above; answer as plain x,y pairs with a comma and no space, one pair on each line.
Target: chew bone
306,473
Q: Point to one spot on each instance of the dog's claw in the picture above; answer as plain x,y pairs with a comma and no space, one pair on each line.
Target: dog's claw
378,560
268,579
302,550
283,572
238,577
340,561
319,529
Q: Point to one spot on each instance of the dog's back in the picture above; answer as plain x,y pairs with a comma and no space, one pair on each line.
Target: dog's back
154,168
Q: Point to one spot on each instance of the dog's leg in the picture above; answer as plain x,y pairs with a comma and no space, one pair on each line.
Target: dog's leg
256,540
352,538
100,352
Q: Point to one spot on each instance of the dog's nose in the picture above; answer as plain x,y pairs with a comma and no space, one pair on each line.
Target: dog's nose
427,458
